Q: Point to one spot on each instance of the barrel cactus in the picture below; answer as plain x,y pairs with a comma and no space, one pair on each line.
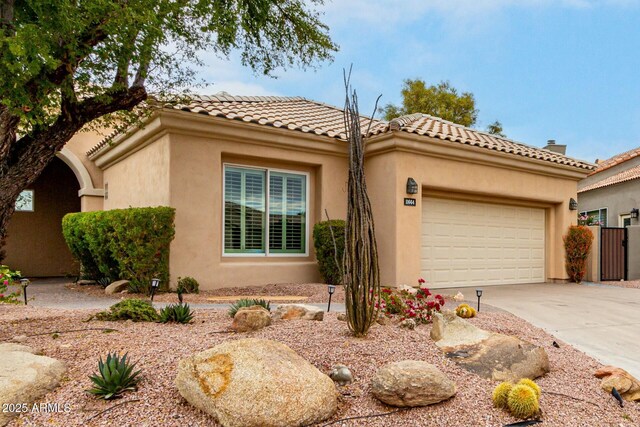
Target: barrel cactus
523,401
501,393
465,311
532,384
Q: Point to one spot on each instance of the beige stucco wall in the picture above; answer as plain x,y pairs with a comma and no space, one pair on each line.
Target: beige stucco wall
633,252
469,174
141,179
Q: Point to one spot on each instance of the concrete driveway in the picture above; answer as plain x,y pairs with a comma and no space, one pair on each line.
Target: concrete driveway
603,321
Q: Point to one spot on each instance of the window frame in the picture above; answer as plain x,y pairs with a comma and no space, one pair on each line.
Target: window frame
33,202
600,210
266,253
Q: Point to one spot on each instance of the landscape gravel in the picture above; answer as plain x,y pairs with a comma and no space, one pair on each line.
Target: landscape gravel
624,283
157,348
313,293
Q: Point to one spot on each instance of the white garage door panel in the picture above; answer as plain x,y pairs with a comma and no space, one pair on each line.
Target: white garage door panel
471,243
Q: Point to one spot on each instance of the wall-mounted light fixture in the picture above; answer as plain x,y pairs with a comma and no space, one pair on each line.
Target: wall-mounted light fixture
412,186
634,213
573,205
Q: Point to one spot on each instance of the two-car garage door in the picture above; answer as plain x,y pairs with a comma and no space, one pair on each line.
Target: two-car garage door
467,243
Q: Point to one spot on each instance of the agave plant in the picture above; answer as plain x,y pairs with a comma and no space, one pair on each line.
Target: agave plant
178,313
115,376
248,302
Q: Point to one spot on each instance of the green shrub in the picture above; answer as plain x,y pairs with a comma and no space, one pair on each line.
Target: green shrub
133,309
131,244
188,285
577,244
176,313
115,376
73,232
326,250
248,302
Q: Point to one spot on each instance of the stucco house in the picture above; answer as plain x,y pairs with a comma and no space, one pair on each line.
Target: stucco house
611,193
250,176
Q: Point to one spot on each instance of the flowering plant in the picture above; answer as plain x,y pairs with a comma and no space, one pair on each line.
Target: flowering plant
585,219
7,277
407,305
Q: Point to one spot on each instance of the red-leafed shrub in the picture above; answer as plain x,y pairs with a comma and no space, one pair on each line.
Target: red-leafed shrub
577,244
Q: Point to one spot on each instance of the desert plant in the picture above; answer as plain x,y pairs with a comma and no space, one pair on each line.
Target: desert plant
577,243
414,305
501,394
523,401
187,285
130,309
328,241
7,278
465,311
532,384
115,376
103,281
176,313
247,302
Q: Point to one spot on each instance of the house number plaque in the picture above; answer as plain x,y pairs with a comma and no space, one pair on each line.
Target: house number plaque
409,201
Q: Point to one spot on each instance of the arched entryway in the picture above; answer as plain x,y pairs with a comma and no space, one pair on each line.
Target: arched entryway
34,243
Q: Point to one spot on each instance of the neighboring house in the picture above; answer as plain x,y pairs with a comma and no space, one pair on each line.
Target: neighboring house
249,176
611,193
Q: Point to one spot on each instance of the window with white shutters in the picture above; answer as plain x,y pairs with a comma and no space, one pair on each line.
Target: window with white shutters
248,194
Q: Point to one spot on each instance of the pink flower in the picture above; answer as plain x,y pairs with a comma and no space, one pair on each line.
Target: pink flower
1,295
421,281
6,282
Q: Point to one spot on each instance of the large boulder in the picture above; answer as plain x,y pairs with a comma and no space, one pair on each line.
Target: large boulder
248,319
626,384
254,382
116,287
411,383
298,311
25,377
494,356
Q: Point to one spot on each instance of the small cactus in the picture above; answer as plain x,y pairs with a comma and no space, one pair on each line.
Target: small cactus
532,384
501,393
465,311
523,402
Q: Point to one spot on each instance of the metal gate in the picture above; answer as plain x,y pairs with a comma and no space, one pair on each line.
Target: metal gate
613,253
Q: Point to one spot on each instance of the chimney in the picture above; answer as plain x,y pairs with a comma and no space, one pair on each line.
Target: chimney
556,148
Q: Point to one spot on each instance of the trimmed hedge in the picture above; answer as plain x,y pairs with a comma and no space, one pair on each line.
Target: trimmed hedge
325,250
131,244
577,244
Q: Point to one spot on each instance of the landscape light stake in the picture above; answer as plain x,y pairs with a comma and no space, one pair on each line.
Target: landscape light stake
479,295
155,284
332,289
24,282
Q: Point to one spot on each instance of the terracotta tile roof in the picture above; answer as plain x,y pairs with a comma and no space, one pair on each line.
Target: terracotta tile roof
303,115
624,176
616,160
435,127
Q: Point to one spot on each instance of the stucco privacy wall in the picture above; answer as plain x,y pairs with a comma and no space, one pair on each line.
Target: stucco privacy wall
466,173
88,173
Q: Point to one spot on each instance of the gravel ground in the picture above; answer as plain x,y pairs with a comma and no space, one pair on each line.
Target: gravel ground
313,292
625,284
157,348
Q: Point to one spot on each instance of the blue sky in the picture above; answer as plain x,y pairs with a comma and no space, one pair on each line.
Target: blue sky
547,69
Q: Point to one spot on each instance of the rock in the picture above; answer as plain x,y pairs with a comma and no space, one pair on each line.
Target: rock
254,382
117,286
25,377
19,338
449,330
411,383
408,324
459,297
341,375
342,317
248,319
494,356
298,311
126,291
383,320
626,384
85,282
